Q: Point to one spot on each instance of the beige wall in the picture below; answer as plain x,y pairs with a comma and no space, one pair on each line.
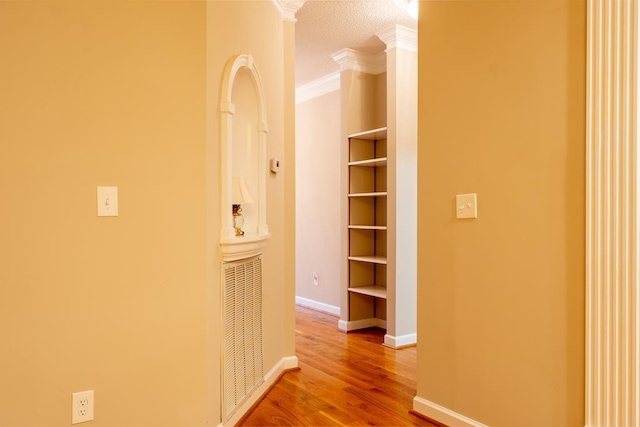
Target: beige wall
257,29
363,101
117,93
319,200
501,114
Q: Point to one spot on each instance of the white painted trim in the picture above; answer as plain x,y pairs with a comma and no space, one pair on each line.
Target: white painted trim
322,86
286,363
612,356
227,232
442,414
316,305
400,341
234,249
399,37
370,63
288,8
353,325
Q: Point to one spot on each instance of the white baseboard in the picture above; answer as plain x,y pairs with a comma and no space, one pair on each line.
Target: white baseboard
289,362
442,414
320,306
352,325
400,341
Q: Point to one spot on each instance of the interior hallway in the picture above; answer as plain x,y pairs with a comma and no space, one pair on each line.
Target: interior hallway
345,379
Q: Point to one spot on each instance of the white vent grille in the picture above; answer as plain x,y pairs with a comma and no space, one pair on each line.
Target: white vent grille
242,364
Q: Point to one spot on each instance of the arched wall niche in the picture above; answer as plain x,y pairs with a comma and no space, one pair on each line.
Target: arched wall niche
243,124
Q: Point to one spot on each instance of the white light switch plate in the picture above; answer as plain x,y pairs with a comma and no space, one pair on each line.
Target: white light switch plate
275,165
467,206
107,201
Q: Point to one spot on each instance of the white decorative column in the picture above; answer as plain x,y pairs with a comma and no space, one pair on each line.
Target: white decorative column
612,294
402,183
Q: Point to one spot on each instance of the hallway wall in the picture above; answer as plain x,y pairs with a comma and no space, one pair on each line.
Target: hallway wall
501,297
126,94
319,200
112,94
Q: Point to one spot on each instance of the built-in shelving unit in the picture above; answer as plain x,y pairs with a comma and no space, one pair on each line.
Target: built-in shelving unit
367,227
379,248
370,163
373,194
374,259
374,291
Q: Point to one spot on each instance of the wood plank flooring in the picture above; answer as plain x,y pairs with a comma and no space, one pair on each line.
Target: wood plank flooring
344,380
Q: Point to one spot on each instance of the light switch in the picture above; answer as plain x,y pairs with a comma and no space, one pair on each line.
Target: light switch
467,206
107,201
275,165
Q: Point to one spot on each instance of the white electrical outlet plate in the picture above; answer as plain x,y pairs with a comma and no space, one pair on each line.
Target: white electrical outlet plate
467,206
107,201
82,407
316,279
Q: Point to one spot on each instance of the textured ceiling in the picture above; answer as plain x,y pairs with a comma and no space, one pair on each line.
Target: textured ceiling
326,26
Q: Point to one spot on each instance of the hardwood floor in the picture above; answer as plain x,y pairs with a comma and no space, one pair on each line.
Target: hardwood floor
344,380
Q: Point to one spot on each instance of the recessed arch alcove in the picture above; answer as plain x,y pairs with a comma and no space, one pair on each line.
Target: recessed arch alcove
243,124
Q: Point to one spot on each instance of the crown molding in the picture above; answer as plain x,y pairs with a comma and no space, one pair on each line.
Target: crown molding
399,37
370,63
288,8
322,86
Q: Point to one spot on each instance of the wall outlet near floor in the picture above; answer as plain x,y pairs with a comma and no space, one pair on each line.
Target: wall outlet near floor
82,407
316,280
